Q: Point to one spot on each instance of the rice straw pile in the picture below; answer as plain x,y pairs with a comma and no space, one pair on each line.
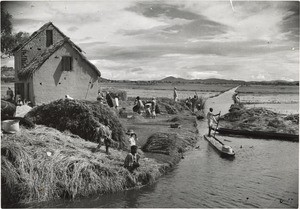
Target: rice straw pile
43,164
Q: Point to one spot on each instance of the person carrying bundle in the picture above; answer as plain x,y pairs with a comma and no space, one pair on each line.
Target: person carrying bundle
107,142
211,120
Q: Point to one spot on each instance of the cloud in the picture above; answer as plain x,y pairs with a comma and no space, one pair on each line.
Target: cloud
151,39
134,70
73,28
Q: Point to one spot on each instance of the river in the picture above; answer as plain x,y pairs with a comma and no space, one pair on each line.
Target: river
263,174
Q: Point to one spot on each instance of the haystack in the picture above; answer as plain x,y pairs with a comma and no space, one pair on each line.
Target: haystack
259,119
84,118
165,143
42,164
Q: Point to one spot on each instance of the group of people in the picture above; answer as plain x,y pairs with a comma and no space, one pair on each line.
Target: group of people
17,100
191,102
148,107
112,101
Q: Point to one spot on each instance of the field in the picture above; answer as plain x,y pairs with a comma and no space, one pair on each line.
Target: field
268,89
184,90
281,99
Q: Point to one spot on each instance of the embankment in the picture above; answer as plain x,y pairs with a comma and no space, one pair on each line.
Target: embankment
46,163
259,119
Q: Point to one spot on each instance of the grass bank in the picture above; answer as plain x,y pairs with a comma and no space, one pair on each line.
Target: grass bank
259,119
43,164
60,160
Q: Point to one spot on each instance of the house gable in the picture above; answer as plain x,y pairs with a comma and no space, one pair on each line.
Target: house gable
34,65
52,82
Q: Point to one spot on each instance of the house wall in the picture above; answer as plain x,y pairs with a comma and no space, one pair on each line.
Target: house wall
50,82
38,45
17,58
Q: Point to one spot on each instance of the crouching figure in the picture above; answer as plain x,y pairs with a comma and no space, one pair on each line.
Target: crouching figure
132,159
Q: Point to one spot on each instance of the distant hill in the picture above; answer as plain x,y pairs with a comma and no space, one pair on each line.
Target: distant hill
172,79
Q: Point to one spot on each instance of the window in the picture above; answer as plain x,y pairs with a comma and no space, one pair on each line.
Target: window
66,63
49,38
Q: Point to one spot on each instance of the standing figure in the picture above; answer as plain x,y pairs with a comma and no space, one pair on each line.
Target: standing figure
235,98
116,101
100,97
175,94
153,107
132,137
106,141
211,120
9,94
109,100
194,100
139,106
132,159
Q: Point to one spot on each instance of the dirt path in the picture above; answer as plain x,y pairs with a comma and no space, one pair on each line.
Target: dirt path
221,103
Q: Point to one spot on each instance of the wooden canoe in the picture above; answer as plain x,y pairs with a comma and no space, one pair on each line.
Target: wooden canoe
224,150
260,134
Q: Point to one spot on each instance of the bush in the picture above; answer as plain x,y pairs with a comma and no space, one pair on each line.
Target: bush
82,118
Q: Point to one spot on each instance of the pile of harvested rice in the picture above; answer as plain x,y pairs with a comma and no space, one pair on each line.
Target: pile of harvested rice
43,164
89,120
259,119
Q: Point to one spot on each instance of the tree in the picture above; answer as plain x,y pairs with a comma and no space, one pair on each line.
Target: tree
8,40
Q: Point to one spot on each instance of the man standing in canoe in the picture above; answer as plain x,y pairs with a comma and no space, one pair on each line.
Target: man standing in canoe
211,120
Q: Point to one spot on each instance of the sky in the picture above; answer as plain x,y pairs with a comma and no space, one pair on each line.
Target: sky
192,39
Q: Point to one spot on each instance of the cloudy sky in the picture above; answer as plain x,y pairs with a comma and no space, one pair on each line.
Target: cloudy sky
145,40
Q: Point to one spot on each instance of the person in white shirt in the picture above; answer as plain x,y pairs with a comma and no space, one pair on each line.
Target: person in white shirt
211,120
132,137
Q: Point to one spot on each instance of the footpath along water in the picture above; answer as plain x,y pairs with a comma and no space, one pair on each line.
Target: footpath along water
263,174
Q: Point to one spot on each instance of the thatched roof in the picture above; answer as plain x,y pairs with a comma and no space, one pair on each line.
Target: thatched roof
44,27
27,71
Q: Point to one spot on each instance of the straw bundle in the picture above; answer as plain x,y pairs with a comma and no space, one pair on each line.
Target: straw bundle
43,164
85,118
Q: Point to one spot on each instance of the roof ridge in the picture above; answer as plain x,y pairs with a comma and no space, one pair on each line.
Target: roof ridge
35,33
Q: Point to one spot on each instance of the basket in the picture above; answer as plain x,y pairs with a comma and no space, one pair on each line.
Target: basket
10,126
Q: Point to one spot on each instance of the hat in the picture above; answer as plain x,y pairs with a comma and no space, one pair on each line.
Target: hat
130,131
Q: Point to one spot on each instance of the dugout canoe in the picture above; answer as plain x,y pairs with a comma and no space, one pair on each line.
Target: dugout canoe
225,151
259,134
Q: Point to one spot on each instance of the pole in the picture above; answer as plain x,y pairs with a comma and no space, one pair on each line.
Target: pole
217,124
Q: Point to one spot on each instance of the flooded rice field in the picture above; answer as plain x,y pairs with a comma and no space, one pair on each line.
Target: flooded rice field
280,103
166,93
